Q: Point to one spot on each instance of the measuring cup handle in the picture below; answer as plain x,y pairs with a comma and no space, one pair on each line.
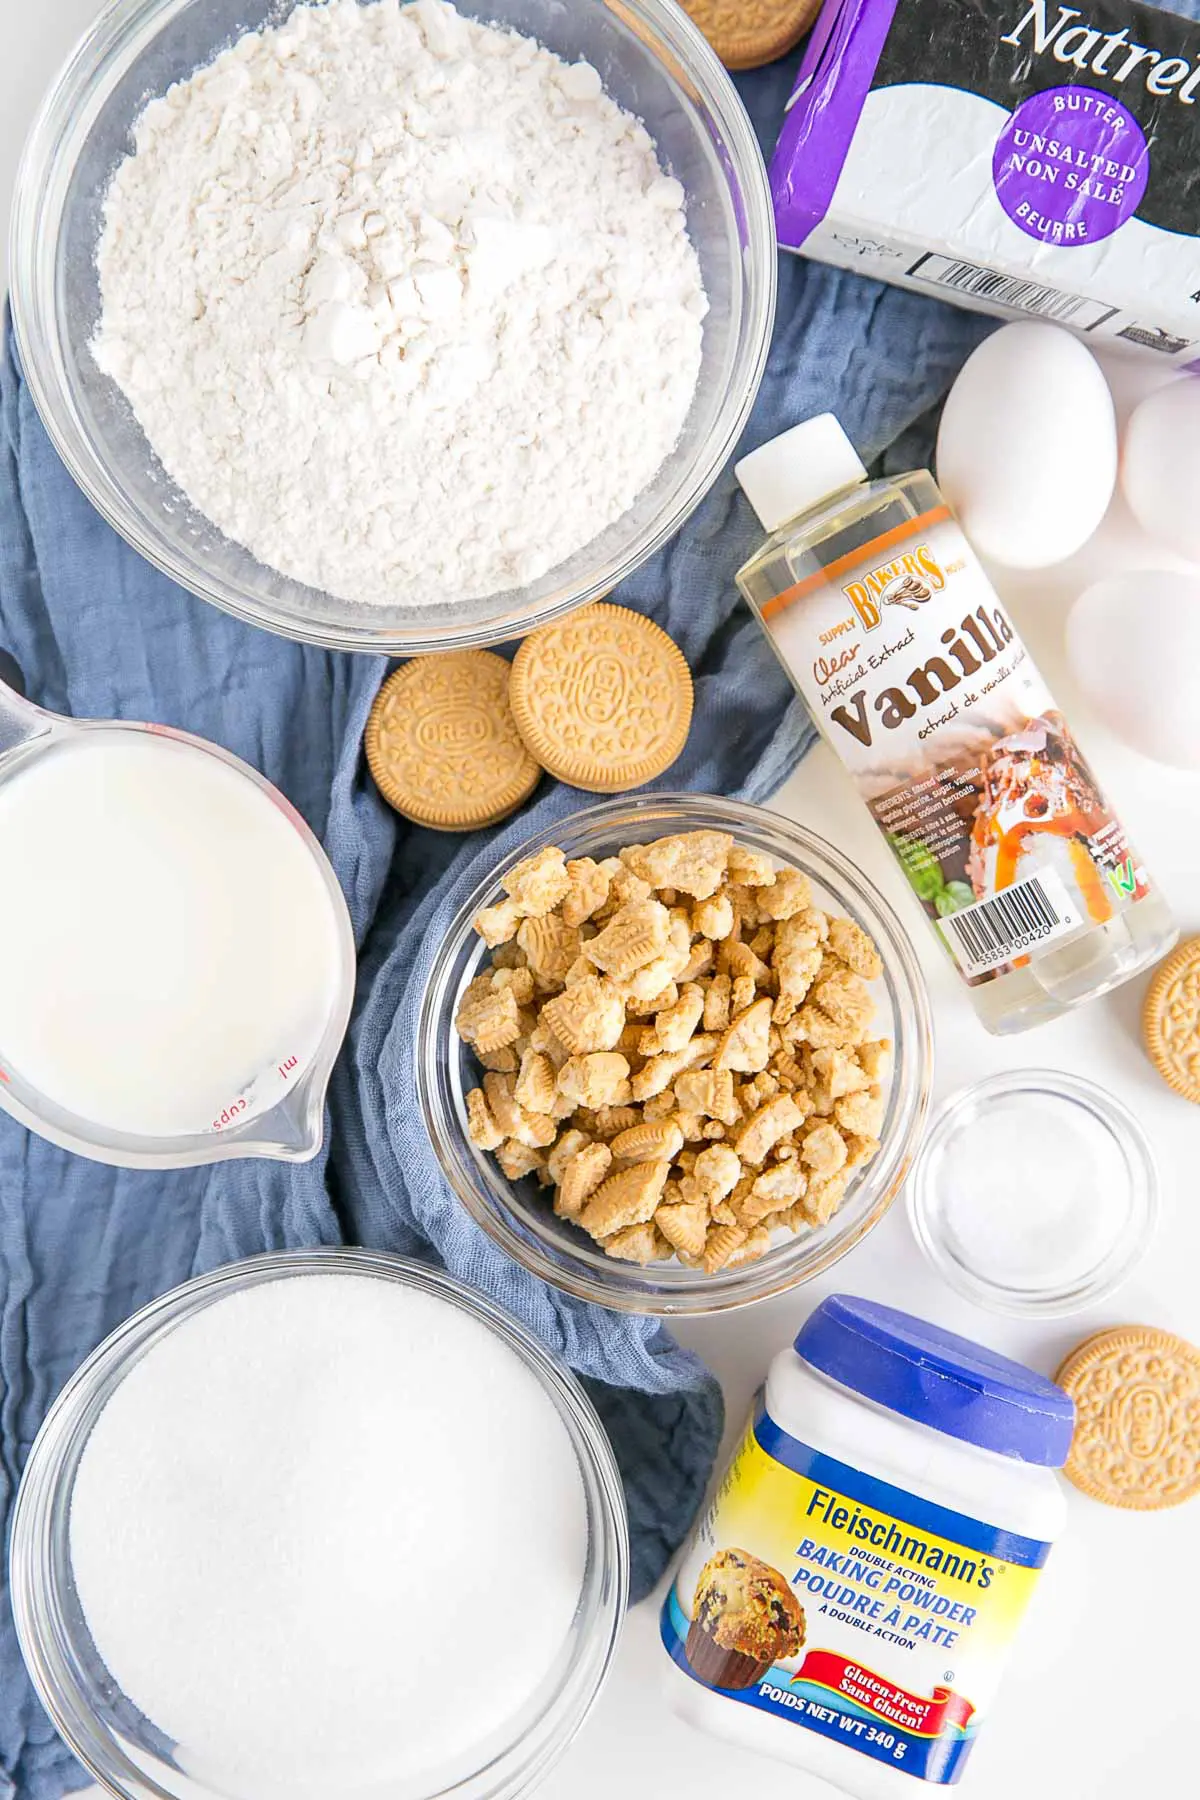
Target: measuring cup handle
20,720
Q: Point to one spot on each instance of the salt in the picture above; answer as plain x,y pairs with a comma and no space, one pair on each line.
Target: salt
329,1533
1038,1198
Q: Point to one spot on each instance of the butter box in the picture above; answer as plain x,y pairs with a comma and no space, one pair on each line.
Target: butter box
1019,157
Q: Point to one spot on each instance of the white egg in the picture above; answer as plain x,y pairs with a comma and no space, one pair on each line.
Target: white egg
1160,466
1133,643
1027,449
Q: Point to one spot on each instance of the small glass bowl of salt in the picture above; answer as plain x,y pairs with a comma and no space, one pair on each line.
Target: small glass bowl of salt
1035,1193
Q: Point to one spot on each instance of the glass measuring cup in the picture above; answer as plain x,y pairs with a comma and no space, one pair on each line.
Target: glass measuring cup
279,1113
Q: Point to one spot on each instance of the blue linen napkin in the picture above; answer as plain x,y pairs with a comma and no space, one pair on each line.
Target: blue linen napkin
98,633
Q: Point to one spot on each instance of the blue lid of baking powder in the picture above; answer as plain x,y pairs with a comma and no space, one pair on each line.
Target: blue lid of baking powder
939,1379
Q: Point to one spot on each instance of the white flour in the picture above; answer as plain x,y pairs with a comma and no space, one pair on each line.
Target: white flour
405,304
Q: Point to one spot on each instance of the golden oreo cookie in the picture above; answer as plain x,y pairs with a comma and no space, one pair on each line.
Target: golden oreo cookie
442,745
1137,1430
1171,1020
603,699
747,33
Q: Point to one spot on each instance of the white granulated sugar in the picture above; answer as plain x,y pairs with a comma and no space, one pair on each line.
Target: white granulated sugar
404,304
330,1533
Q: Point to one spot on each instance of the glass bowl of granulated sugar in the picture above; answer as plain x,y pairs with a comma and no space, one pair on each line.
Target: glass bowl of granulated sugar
394,327
320,1523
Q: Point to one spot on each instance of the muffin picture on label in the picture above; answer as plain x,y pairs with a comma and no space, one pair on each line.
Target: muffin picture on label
745,1617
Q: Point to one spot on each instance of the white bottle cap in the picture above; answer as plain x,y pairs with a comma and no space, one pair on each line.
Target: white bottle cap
798,469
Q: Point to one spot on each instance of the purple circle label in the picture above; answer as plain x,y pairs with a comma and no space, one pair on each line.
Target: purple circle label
1070,166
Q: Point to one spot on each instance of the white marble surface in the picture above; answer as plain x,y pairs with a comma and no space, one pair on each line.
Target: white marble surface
1102,1690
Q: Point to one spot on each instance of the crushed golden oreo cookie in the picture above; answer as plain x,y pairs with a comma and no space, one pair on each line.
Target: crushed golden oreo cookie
677,1042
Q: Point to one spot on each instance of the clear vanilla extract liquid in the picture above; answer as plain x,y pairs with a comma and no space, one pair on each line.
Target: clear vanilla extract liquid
916,676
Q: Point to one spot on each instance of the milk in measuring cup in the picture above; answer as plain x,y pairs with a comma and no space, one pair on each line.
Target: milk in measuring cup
169,951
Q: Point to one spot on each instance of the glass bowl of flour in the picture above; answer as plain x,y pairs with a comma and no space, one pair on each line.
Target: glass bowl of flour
322,1522
392,327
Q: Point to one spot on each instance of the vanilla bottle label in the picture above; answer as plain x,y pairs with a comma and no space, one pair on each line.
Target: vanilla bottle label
915,674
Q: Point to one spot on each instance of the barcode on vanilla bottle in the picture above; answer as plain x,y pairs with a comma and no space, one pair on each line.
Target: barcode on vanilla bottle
1011,290
1027,915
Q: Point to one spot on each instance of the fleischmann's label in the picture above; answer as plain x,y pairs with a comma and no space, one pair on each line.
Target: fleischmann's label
847,1606
913,670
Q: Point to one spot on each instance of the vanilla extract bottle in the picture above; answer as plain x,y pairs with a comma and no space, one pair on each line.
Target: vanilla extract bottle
914,673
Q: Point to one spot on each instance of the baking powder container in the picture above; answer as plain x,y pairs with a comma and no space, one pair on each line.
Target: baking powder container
849,1599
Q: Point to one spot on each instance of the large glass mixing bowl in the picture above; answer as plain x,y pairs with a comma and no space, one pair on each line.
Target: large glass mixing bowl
125,1751
653,62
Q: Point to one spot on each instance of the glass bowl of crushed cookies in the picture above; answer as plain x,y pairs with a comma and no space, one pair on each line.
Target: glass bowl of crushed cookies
675,1055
